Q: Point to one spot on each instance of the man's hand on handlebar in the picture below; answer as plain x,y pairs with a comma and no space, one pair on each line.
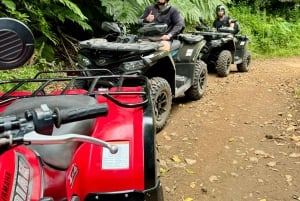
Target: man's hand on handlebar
165,37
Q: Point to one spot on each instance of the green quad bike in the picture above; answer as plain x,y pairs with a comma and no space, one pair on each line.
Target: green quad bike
180,72
223,48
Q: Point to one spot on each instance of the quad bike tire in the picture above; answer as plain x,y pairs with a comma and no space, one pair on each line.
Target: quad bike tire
245,65
198,88
161,96
223,63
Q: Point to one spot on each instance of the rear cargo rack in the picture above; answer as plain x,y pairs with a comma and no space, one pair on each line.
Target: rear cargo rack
70,82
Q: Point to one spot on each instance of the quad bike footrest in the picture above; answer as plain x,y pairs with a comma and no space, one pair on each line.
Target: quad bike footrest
180,80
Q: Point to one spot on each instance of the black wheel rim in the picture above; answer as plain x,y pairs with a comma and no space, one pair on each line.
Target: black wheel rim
202,80
248,62
228,65
161,104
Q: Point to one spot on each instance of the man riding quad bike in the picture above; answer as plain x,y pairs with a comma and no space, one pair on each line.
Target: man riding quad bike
173,73
224,46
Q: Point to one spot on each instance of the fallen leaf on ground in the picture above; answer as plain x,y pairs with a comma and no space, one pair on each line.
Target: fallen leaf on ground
234,174
291,128
163,170
213,178
294,155
231,139
193,185
262,153
190,161
295,138
253,159
168,138
176,159
296,197
289,179
271,164
189,171
259,152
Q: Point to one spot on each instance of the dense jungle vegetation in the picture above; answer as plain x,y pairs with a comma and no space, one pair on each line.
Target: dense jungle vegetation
273,26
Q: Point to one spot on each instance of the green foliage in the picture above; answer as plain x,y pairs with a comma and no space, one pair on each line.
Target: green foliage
125,11
205,9
46,18
24,72
128,11
271,36
59,24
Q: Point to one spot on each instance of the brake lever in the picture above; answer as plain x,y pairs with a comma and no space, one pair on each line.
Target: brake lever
34,138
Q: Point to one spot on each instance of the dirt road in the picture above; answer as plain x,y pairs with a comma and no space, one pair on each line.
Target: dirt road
241,141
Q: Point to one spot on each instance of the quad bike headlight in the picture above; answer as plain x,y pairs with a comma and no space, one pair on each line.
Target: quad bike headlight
83,61
133,65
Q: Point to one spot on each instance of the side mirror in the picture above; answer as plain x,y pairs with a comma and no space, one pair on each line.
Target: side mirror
110,27
16,42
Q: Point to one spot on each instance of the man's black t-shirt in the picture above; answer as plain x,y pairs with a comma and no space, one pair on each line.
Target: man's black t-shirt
221,23
172,18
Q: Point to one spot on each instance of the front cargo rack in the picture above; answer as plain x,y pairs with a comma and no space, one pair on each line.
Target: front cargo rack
71,82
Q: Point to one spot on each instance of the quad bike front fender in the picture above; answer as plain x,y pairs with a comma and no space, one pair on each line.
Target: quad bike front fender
163,66
189,52
241,44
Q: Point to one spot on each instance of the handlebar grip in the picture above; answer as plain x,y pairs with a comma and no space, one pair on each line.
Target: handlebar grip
77,114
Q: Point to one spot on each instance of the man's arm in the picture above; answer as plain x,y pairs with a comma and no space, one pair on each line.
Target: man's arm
215,24
178,23
230,23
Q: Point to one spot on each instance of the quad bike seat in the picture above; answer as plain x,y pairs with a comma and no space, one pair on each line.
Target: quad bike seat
16,43
58,155
120,47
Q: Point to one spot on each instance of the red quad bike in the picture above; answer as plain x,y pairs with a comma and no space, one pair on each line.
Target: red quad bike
61,142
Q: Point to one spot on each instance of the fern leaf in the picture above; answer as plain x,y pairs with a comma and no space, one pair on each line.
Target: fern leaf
73,7
9,4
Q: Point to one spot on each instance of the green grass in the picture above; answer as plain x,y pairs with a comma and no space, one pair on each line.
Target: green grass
271,35
22,72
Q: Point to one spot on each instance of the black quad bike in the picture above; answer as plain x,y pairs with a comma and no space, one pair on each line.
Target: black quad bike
224,47
180,72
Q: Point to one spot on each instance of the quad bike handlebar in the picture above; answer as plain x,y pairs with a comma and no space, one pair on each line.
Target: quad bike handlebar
37,125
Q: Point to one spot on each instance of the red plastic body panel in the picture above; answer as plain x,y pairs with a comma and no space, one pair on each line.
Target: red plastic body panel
24,178
123,126
43,181
86,174
54,183
20,175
